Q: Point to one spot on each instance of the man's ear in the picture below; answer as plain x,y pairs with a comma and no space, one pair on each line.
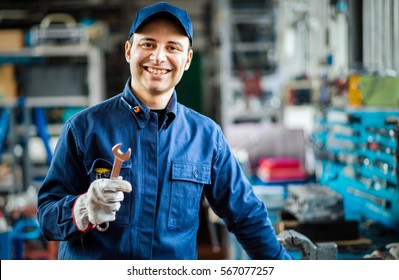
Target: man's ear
188,62
127,51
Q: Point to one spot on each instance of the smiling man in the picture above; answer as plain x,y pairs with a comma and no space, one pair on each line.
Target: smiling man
158,53
151,211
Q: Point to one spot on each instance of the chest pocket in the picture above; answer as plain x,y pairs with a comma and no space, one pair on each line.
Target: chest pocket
188,180
101,168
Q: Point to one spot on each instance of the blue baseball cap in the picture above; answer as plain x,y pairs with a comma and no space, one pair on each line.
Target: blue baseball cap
148,12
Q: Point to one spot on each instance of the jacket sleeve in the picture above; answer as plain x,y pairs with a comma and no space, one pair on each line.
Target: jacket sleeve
65,181
232,198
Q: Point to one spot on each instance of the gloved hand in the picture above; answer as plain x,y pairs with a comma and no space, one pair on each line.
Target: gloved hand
100,203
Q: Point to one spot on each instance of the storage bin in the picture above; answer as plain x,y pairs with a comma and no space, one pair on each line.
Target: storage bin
54,80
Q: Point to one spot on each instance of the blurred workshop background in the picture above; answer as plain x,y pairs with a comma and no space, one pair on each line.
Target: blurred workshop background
306,92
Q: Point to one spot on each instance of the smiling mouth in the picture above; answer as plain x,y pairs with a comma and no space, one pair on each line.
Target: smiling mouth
156,71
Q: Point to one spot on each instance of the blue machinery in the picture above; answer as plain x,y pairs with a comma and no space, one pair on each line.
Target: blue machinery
9,137
12,240
357,156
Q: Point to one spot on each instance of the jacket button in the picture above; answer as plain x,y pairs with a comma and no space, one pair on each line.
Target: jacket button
196,173
136,109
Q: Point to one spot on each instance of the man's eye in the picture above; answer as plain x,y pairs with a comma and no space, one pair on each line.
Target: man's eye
146,45
173,48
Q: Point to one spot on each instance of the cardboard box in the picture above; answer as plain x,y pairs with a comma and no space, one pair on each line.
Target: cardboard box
8,83
11,39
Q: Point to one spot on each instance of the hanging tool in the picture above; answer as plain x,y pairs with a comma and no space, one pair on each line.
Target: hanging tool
379,201
116,168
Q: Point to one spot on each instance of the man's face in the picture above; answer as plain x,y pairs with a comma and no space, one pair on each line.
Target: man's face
158,55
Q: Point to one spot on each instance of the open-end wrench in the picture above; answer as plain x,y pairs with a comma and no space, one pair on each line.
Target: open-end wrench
119,159
116,168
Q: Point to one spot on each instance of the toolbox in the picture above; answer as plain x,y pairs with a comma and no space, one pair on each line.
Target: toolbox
281,169
314,203
58,29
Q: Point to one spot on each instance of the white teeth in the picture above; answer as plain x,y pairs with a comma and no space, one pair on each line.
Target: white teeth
156,71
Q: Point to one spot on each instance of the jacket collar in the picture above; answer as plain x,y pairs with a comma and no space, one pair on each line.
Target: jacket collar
141,111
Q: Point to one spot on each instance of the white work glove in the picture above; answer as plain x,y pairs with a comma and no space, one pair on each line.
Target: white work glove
100,203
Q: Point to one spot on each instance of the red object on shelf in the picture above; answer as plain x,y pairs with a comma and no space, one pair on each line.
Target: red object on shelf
281,170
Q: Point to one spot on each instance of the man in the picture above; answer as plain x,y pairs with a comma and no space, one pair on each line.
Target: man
177,154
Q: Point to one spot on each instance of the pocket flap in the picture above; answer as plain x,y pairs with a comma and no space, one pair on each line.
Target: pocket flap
103,163
193,172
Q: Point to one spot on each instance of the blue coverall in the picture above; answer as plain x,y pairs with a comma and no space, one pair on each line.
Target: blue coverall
169,169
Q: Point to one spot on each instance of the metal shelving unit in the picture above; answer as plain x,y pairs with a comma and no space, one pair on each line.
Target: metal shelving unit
95,72
22,113
245,53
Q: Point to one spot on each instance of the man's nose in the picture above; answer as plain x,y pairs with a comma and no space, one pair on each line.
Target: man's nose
158,56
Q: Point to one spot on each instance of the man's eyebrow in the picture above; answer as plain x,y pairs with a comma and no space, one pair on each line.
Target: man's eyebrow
153,40
176,43
147,39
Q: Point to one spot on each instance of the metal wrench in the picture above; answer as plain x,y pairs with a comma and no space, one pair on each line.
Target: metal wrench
119,159
116,168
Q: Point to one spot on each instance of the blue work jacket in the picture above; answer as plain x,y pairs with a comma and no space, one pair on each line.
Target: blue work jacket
169,170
